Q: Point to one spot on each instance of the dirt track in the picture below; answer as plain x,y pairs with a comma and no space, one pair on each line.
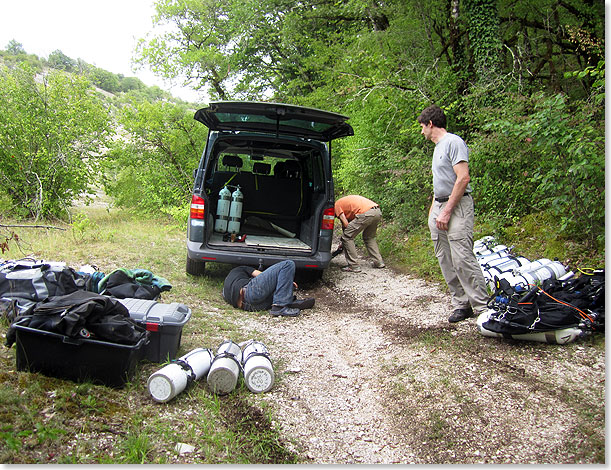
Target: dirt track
375,374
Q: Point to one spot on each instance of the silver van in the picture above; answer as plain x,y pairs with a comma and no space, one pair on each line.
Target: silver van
263,190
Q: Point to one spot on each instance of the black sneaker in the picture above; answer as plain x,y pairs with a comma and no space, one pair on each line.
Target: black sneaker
284,311
460,314
302,304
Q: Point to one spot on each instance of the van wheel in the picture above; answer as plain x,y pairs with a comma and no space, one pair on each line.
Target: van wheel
309,275
195,268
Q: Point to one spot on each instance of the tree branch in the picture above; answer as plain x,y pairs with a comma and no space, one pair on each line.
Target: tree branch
32,226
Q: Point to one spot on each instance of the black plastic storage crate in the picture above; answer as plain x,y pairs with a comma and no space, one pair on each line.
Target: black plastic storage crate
164,322
77,359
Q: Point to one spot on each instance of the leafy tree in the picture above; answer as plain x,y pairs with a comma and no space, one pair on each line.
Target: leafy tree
52,130
498,68
104,79
151,167
130,83
15,48
540,40
15,54
565,168
254,48
60,61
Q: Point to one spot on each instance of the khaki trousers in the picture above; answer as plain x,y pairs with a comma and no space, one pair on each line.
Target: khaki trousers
454,251
367,222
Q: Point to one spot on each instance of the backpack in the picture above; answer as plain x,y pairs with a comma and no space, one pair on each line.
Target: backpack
554,305
133,283
29,282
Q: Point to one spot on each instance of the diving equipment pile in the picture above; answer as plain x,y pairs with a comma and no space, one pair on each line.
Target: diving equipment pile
539,301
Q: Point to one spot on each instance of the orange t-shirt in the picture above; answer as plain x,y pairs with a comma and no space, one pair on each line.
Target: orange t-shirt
350,206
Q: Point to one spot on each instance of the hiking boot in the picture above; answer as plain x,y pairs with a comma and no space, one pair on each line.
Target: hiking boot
284,311
378,265
351,269
302,304
461,314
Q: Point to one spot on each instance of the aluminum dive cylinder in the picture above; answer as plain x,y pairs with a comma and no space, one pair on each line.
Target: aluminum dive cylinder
258,370
499,251
483,244
541,269
561,336
172,379
499,266
222,210
225,369
235,212
553,270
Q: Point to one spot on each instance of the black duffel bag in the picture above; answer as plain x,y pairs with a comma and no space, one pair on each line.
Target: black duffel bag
82,314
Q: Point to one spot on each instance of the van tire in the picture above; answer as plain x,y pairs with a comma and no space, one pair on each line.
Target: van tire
309,275
195,268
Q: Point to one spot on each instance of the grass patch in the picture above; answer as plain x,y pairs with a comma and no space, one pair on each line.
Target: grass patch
411,252
48,420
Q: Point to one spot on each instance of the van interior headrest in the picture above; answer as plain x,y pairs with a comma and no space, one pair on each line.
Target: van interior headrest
232,161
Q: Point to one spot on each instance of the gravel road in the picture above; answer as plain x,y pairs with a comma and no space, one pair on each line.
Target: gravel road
374,373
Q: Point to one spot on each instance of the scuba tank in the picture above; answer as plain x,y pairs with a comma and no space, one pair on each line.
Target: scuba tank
499,251
560,336
540,270
172,379
225,368
235,213
257,367
499,266
483,244
222,210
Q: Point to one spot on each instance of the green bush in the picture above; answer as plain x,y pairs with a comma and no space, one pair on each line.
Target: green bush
52,130
151,167
564,171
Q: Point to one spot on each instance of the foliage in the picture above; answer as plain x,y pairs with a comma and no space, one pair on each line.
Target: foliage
386,161
150,168
254,48
522,82
566,170
105,80
484,38
60,61
51,131
497,68
15,54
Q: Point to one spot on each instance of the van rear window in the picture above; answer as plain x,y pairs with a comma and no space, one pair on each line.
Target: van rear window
228,118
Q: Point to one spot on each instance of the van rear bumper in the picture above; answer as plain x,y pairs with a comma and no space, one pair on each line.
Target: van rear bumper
195,251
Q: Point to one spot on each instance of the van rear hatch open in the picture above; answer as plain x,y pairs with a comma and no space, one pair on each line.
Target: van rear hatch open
277,118
278,159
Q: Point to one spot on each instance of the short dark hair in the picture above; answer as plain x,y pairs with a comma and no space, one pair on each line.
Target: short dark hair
433,114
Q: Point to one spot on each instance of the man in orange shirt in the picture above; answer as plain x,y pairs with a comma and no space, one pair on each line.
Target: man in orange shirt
359,214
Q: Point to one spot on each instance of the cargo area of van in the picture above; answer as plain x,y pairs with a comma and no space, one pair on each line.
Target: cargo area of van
282,195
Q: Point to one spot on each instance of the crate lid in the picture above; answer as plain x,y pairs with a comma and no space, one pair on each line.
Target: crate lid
151,311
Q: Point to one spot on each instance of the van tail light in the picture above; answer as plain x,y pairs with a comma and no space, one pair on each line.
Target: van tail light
197,207
328,218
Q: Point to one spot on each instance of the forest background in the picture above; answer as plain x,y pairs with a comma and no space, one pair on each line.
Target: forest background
522,82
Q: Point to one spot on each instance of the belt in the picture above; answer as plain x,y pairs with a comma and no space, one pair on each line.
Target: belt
241,297
374,207
447,198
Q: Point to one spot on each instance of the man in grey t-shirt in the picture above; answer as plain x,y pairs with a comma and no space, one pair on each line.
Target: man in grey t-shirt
451,217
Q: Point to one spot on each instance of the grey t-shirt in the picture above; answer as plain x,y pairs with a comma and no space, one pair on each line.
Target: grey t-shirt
449,151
